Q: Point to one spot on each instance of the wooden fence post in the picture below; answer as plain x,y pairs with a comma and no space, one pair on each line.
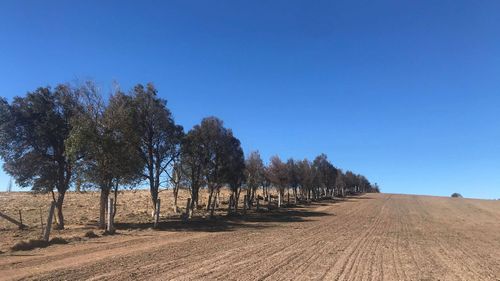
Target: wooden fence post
46,235
230,205
157,214
21,220
245,203
110,227
188,211
41,219
217,200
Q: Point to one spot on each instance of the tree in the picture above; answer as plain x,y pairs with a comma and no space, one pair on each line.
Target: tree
193,163
211,156
340,182
293,176
9,186
306,177
101,134
278,174
326,174
176,180
254,173
350,181
156,135
33,137
234,167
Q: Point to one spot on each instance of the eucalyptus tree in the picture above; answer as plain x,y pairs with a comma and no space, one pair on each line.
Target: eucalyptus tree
33,134
102,134
158,137
254,173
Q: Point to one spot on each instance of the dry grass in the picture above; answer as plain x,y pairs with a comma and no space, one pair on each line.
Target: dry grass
81,212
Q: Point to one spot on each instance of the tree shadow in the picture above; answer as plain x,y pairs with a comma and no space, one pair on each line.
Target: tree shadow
264,218
252,219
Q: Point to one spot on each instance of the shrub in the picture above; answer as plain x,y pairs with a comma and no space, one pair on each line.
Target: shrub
456,195
90,234
58,240
29,245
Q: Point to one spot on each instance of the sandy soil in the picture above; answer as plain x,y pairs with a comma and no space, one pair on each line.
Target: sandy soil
373,237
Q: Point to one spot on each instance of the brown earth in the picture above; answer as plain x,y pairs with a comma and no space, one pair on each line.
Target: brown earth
372,237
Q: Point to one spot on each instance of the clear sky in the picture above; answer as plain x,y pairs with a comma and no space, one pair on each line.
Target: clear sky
404,92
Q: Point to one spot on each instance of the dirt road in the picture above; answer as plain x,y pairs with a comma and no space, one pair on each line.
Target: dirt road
373,237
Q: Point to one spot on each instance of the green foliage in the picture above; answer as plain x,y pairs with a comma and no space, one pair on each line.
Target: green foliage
278,173
52,137
155,135
102,136
33,135
254,171
211,155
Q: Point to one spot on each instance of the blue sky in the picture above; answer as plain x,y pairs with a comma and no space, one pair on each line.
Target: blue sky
404,92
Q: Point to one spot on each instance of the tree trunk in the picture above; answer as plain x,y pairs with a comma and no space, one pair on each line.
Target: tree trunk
236,200
154,197
210,195
217,199
212,207
176,193
102,207
59,205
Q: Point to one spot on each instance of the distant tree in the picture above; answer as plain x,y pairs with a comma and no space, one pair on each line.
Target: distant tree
158,137
350,181
326,174
266,181
340,182
9,186
254,173
363,184
278,174
456,195
306,178
293,176
211,156
33,134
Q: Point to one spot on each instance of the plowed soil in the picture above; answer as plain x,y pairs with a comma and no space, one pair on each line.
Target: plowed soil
371,237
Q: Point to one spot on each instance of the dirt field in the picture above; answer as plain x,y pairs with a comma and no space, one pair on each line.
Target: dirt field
373,237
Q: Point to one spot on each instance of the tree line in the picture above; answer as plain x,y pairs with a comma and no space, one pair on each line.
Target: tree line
54,139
